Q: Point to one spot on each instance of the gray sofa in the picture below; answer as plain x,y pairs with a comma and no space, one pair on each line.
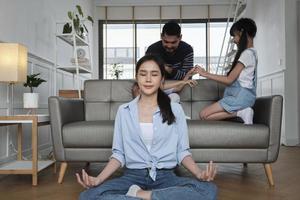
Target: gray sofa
82,130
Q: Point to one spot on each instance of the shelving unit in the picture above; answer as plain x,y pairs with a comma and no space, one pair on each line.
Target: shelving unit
75,42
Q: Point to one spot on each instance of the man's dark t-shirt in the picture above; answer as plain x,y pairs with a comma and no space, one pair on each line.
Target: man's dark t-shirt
182,60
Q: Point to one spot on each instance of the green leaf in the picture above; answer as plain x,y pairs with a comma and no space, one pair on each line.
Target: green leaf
76,22
67,28
90,19
70,15
81,32
79,10
33,81
78,18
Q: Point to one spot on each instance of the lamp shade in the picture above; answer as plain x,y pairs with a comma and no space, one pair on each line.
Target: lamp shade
13,63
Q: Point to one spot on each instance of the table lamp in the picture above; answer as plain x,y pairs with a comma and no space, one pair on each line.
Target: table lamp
13,67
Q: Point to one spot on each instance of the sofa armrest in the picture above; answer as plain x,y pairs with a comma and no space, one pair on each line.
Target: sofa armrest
268,111
63,111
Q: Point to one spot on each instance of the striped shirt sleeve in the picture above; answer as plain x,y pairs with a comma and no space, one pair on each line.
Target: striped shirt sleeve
187,64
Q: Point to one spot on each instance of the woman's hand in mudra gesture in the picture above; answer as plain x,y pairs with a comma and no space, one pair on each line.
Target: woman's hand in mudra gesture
208,174
87,181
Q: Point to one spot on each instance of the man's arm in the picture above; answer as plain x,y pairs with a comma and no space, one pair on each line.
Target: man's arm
178,85
187,64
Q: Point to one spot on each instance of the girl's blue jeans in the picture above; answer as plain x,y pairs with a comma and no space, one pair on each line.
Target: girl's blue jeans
166,186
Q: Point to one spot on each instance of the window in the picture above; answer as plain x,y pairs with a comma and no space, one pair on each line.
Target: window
146,34
217,31
123,43
195,35
118,51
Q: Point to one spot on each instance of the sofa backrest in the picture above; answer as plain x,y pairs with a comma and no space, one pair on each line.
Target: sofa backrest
103,97
193,100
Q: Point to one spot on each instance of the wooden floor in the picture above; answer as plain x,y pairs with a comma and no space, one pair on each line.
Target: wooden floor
234,181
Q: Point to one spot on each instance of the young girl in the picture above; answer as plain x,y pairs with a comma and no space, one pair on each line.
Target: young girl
240,94
150,139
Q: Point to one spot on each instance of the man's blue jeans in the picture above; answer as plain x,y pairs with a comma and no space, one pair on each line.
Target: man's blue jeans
166,186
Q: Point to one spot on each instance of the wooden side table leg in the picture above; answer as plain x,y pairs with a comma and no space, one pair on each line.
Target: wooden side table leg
34,146
20,141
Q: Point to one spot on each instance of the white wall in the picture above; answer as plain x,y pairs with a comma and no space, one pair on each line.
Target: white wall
269,41
32,23
298,25
276,43
292,73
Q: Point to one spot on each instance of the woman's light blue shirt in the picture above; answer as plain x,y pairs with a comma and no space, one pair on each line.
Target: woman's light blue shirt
169,146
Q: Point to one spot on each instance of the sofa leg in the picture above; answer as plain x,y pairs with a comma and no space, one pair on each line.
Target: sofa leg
63,168
268,170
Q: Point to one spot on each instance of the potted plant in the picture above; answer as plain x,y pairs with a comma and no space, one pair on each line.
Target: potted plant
77,17
116,70
31,100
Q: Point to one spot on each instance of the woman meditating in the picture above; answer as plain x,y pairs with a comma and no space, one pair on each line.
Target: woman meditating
150,140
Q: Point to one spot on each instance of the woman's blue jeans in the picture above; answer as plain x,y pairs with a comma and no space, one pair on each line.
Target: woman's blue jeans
166,186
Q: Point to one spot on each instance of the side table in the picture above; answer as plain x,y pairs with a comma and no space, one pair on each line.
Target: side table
21,166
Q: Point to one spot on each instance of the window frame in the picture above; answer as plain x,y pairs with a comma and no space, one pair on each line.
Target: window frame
101,24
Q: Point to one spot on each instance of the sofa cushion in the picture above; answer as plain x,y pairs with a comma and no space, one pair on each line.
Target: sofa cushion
203,94
88,134
226,134
202,134
205,90
101,98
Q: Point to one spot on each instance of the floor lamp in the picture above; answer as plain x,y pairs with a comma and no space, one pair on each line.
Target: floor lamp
13,67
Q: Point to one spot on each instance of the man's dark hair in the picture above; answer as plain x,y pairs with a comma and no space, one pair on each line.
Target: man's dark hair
171,28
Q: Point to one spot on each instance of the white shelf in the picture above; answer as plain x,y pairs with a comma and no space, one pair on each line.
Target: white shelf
25,165
26,119
72,69
41,117
75,42
68,38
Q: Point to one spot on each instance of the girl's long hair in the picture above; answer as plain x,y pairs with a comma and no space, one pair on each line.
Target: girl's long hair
247,27
163,100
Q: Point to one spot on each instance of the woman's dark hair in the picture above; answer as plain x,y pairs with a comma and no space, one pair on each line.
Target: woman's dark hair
248,28
162,99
